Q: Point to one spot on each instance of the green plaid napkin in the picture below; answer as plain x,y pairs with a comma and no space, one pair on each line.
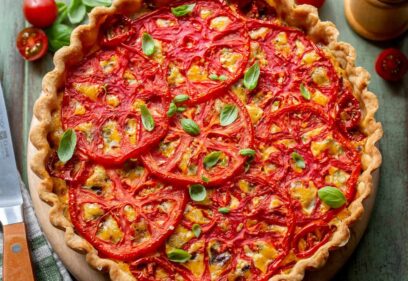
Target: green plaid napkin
46,264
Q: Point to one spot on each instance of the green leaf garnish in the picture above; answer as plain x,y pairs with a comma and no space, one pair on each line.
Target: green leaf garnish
300,162
180,98
181,109
182,10
215,77
76,11
224,210
147,119
197,192
305,92
205,179
148,46
58,36
229,113
178,255
172,110
251,77
96,3
332,196
196,229
211,159
190,127
67,145
247,152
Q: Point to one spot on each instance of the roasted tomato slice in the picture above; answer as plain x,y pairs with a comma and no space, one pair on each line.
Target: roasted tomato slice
32,43
156,268
125,213
292,70
69,171
203,51
103,102
117,29
208,153
391,64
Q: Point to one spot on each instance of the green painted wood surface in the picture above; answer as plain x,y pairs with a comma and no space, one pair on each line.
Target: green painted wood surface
383,251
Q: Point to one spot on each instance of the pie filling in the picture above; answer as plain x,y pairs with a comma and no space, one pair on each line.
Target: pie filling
251,157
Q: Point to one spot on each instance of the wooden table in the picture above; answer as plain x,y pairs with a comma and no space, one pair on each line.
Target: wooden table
383,252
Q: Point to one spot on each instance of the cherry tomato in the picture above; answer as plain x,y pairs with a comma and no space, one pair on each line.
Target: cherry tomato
391,64
40,13
32,43
316,3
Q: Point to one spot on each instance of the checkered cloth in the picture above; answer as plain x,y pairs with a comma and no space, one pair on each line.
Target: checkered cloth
46,264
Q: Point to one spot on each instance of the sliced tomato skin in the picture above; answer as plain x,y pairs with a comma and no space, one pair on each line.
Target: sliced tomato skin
32,43
40,13
316,3
391,64
117,29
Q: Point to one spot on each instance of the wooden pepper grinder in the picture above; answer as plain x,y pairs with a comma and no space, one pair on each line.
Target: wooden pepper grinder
377,19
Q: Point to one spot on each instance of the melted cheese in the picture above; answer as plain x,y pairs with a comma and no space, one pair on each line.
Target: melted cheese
129,77
310,58
175,78
92,211
205,13
239,90
111,136
180,237
281,44
196,73
109,65
141,231
263,255
110,231
256,53
85,128
112,100
130,129
220,23
300,48
305,195
317,147
89,90
165,23
337,177
196,263
319,76
259,33
129,212
255,112
244,186
230,60
242,270
319,98
195,215
79,109
306,137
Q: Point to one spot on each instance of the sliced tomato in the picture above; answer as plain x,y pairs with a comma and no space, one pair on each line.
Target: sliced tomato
311,237
117,29
102,103
316,3
32,43
69,171
203,51
125,213
181,157
155,267
391,64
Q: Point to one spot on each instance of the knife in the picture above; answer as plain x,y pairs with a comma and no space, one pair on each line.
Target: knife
16,256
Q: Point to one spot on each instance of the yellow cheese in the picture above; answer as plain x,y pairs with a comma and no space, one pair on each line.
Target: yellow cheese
185,161
337,177
267,151
220,23
130,129
79,109
109,65
89,90
98,177
319,98
310,58
275,129
141,231
242,271
244,186
319,76
230,60
306,137
300,48
110,231
175,78
305,195
318,147
239,90
275,202
281,44
85,128
195,215
180,237
137,104
167,148
130,213
129,77
196,264
158,52
112,100
259,33
111,136
92,211
219,261
165,23
205,13
256,53
255,112
196,73
263,254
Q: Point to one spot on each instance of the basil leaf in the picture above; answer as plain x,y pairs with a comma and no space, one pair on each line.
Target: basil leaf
196,229
205,179
76,11
58,36
96,3
332,196
62,12
213,77
229,114
178,255
305,92
300,162
182,10
190,127
251,77
211,159
180,98
148,46
222,78
67,145
147,118
172,110
247,152
224,210
181,109
197,192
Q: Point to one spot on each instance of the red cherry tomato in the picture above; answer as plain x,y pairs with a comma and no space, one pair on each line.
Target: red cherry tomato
316,3
32,43
391,64
40,13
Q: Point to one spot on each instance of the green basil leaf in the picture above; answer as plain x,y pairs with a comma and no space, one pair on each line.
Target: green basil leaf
222,78
224,210
181,109
96,3
76,11
182,10
190,127
251,77
180,98
229,113
205,179
147,118
67,145
148,46
213,77
211,159
197,192
62,12
178,255
196,229
300,162
332,196
305,92
247,152
172,110
58,36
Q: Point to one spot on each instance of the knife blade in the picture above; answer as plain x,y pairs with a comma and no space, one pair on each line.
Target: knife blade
16,255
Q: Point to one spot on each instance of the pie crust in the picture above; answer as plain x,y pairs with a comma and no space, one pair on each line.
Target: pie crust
304,17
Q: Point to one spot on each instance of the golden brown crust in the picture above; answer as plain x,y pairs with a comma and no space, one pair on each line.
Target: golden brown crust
304,17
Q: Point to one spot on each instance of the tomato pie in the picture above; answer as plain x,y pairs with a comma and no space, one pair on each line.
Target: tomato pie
206,140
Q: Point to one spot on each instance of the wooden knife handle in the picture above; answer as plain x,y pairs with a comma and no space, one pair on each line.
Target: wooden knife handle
16,256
